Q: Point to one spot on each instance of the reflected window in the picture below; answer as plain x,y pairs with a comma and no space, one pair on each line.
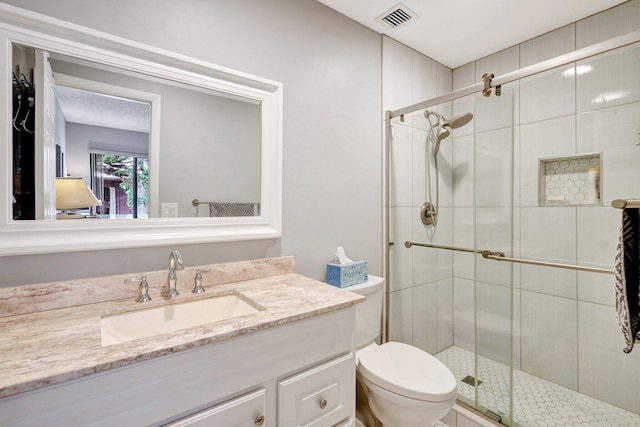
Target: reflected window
122,183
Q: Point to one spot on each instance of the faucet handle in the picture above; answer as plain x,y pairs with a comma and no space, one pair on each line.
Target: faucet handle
144,288
198,289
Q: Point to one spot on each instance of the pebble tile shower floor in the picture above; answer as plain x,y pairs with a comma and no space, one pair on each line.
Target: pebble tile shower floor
537,402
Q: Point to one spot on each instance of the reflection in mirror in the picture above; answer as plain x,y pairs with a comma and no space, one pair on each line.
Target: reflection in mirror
214,134
146,146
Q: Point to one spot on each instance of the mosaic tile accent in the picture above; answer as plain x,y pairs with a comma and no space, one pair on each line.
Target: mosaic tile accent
566,180
536,402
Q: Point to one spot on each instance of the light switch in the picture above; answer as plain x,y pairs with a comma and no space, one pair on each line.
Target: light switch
169,210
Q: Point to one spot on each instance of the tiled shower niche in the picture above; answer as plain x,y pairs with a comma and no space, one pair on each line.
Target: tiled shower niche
570,181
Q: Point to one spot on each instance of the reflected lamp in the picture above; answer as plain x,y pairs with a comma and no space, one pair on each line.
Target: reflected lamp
73,193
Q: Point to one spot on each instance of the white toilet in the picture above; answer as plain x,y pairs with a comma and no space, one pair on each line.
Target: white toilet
402,385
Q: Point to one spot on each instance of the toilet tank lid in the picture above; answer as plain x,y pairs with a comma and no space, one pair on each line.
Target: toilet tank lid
372,284
408,371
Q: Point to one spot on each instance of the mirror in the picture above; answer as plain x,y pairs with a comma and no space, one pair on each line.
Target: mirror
205,141
206,145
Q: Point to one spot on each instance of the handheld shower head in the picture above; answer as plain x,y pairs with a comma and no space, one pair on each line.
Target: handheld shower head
443,132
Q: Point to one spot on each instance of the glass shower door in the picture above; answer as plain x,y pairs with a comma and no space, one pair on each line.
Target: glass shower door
493,217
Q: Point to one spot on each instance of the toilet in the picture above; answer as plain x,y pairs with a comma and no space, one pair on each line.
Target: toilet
400,385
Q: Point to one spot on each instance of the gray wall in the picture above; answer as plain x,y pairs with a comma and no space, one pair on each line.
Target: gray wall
331,70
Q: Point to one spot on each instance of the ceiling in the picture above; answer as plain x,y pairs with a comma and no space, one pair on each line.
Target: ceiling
95,109
456,32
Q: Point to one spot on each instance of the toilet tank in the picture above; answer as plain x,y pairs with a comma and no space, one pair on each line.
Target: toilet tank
369,312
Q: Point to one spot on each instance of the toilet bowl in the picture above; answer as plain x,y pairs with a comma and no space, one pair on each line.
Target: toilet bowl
406,386
401,385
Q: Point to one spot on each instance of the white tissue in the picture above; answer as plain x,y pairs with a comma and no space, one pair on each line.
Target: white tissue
342,257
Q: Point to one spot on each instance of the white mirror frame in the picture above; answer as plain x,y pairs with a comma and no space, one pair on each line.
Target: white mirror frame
30,237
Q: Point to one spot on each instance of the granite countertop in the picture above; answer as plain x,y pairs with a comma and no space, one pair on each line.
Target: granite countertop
51,346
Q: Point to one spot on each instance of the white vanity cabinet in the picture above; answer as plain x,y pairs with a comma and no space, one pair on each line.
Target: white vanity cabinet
319,397
247,410
278,373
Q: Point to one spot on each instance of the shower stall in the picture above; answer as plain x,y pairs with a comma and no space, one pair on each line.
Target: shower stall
530,176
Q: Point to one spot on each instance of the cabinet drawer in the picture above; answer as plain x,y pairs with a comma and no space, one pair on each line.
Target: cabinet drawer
321,396
244,411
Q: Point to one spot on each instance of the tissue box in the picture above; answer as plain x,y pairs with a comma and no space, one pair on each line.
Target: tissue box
349,274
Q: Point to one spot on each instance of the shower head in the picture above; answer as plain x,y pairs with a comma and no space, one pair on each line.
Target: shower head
445,126
457,122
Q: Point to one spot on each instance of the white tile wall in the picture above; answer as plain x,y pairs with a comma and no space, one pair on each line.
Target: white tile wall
400,160
421,155
396,72
463,237
543,139
548,95
445,313
425,317
463,313
548,234
494,168
597,248
613,131
423,77
494,112
400,258
549,338
463,171
493,322
606,372
465,76
547,46
499,63
608,80
401,316
610,23
421,299
444,79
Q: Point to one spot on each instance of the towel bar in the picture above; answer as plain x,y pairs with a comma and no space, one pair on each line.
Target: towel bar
625,203
499,256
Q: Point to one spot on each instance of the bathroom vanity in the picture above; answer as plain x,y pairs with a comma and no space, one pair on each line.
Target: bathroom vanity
288,363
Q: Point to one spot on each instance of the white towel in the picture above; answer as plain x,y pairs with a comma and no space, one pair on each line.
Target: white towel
627,276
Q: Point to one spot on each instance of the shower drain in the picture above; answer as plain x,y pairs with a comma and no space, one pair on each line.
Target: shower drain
471,381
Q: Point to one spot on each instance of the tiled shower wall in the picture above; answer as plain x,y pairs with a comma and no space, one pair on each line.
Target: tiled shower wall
564,327
421,280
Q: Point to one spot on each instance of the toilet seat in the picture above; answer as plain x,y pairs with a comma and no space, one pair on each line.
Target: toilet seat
408,371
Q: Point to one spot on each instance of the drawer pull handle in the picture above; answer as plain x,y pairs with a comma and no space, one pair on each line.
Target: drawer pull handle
259,420
323,403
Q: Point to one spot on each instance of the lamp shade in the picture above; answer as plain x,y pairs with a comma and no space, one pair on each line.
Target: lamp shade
73,193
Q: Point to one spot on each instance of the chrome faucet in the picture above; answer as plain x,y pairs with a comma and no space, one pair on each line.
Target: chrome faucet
175,263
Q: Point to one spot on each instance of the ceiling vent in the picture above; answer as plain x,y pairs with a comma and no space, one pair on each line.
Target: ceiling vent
397,16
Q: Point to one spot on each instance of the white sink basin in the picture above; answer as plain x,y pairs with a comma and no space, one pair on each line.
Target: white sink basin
123,327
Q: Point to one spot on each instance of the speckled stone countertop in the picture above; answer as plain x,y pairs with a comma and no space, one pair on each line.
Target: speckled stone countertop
58,337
